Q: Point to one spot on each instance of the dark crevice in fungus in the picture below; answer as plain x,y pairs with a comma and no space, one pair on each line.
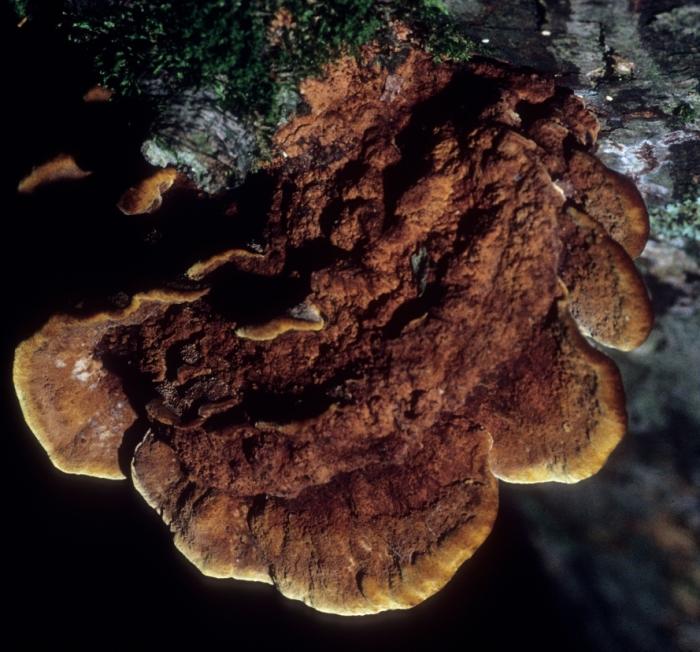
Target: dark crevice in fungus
416,139
413,309
248,299
312,256
132,438
232,416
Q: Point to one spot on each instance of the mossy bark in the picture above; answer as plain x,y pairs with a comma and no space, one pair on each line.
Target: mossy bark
636,62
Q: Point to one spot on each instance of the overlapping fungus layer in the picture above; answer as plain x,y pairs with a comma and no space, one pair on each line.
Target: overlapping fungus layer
330,413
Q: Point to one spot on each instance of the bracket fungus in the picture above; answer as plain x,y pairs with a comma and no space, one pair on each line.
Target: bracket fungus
438,239
62,167
147,195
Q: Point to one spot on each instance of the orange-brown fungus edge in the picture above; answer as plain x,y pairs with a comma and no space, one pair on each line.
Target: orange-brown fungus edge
147,195
62,167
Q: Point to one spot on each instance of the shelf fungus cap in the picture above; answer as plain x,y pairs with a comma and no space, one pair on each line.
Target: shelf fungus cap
77,408
301,318
98,94
341,547
564,411
608,298
147,195
63,167
202,268
611,199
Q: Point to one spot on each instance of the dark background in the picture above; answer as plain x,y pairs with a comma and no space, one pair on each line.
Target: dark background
88,563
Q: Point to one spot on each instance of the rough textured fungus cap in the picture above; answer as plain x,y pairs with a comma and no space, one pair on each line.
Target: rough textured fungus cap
333,414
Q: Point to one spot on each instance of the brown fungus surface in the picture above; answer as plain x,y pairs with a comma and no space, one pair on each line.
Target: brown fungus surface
75,406
62,167
333,414
147,195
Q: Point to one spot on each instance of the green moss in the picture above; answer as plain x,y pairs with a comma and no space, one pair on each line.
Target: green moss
20,7
242,49
685,112
437,32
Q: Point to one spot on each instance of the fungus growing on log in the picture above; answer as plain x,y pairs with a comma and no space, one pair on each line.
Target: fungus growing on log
62,167
147,195
98,94
331,415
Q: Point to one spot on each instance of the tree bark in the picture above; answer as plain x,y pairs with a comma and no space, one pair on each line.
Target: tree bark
637,63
